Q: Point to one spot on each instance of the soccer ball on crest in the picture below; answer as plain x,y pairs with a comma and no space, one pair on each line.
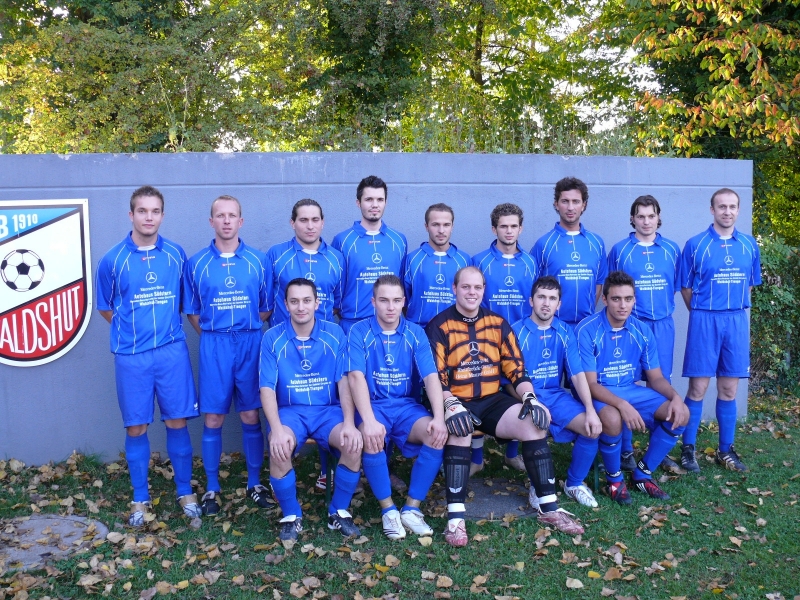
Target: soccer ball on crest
22,270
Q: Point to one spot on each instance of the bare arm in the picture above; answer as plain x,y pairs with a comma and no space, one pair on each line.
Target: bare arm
106,314
601,393
195,322
593,426
676,413
264,315
598,291
686,293
281,443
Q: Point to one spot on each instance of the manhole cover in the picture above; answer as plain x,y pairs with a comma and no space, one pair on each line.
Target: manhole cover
29,542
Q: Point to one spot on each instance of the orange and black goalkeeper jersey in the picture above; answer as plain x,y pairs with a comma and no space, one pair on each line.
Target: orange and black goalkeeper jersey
473,354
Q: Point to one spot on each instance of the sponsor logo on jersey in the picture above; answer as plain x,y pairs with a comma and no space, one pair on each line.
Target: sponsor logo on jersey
45,279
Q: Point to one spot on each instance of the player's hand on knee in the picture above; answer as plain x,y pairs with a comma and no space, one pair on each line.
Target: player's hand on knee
281,444
677,412
437,431
350,439
374,434
538,413
632,418
593,425
458,420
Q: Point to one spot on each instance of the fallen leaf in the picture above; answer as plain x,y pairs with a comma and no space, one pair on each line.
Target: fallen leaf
87,580
425,540
392,560
428,575
735,540
212,576
182,585
298,591
115,537
574,584
238,580
612,574
148,594
443,581
164,588
606,592
594,575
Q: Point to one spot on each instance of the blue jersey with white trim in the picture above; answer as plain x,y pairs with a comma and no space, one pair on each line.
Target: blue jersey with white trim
303,372
386,358
617,356
720,272
227,292
508,282
547,352
142,289
655,269
428,281
367,257
290,260
579,262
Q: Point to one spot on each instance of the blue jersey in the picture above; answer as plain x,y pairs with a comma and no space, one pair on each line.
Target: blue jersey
366,258
227,292
616,356
428,281
386,358
547,352
290,260
303,372
142,288
579,262
720,272
508,282
655,269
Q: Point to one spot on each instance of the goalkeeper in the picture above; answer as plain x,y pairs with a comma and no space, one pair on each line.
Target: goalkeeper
474,350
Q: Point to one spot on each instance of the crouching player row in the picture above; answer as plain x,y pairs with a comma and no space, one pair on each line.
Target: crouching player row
307,371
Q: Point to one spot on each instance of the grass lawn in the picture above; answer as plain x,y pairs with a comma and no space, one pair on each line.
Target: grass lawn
722,535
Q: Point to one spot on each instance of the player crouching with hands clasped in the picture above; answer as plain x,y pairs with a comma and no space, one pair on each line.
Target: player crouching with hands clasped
474,348
301,370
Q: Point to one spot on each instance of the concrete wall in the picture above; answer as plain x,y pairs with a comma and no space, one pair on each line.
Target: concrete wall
47,411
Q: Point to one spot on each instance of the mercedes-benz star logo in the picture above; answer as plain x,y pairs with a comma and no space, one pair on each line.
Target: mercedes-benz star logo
230,281
474,349
389,359
305,364
617,352
151,277
649,267
509,281
575,256
728,260
310,276
376,258
546,353
439,278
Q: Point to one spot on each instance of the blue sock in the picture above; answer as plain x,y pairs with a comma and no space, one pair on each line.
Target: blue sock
662,439
285,490
424,471
346,482
695,414
610,447
323,463
179,448
137,453
512,449
377,472
253,444
726,417
212,449
627,439
477,450
583,453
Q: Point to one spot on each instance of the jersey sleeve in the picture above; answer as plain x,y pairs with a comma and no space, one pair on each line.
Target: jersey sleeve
586,350
405,270
439,351
423,356
267,364
269,267
611,262
191,296
602,268
537,252
341,356
356,352
572,356
105,285
678,268
755,273
687,265
263,287
512,363
649,359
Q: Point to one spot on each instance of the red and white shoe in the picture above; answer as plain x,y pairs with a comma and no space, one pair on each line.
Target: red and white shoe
456,533
561,520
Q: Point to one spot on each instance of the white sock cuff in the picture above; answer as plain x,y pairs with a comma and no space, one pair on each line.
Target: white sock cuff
547,499
456,507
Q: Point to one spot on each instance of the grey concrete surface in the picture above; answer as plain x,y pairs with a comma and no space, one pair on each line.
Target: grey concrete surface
47,411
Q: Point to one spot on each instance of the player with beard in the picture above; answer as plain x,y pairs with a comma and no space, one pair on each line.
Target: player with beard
475,349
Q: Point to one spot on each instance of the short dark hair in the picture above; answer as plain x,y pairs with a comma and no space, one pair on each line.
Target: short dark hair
571,183
546,282
226,197
300,282
371,182
146,190
306,202
457,276
644,201
439,207
388,279
615,279
725,191
506,209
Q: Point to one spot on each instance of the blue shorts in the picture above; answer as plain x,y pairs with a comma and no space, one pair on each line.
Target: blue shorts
645,400
229,371
563,408
398,416
315,422
717,344
164,372
664,336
